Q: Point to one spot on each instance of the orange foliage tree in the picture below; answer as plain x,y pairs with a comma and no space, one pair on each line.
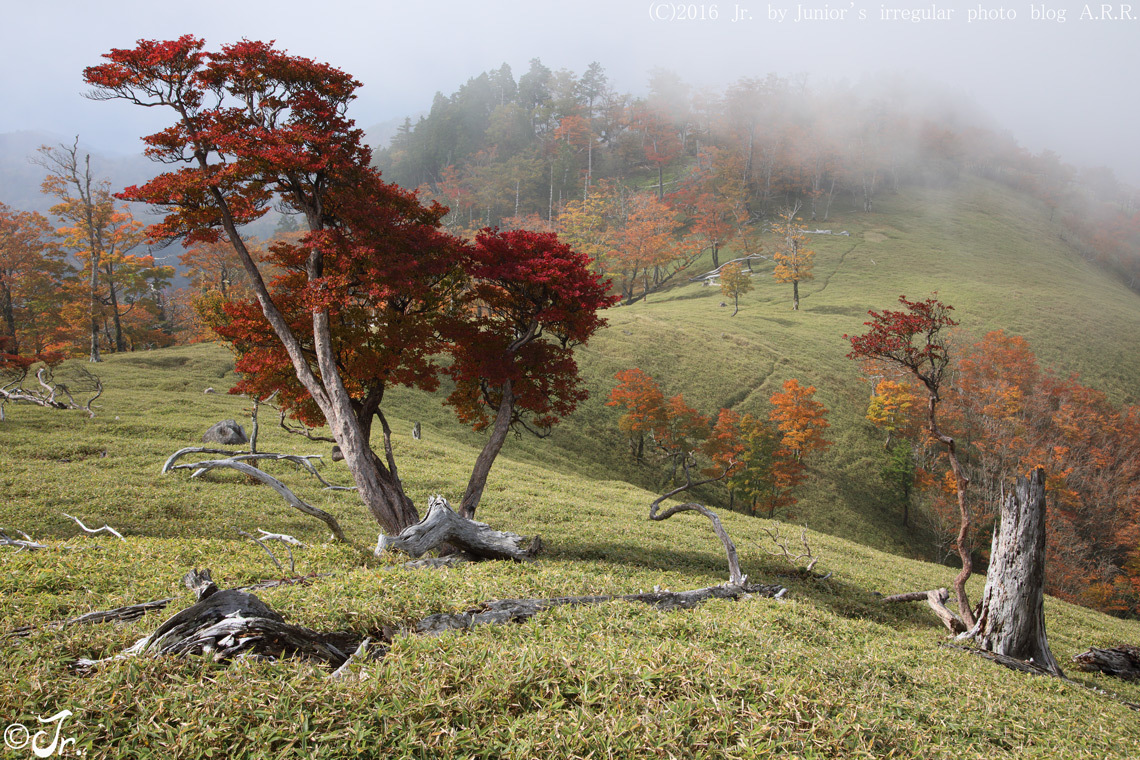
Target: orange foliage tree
794,260
32,279
761,459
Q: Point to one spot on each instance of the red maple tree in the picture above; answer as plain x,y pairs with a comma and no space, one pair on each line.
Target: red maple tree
367,299
914,339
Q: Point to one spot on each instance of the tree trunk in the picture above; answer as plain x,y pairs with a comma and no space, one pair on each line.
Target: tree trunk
8,312
116,320
379,489
487,456
1012,620
795,295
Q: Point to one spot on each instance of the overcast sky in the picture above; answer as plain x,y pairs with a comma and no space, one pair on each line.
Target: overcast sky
1070,86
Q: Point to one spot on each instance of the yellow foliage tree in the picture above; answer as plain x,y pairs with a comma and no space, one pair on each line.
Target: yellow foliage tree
794,260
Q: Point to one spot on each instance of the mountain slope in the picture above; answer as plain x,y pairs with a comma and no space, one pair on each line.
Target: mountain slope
828,672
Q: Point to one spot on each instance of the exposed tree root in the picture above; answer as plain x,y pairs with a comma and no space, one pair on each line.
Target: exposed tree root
443,526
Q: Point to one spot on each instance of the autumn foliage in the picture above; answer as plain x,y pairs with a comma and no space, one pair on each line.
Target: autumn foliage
375,293
1009,416
763,460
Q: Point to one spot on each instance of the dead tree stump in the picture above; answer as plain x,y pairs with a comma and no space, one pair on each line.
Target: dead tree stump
1012,619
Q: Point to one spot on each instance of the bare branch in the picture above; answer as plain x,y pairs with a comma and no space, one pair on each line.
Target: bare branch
782,543
27,544
105,529
272,482
735,577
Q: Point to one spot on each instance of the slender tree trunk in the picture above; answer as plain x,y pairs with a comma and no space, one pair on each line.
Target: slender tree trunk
116,319
491,449
795,295
379,489
963,542
9,314
1012,620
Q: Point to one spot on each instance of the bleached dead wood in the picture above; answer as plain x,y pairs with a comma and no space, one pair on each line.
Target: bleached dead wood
442,525
26,544
1012,617
283,538
792,559
105,529
936,599
232,623
205,466
518,610
169,464
712,274
51,393
735,577
361,651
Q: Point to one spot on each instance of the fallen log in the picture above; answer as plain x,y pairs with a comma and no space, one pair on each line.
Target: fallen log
442,525
1119,662
226,624
518,610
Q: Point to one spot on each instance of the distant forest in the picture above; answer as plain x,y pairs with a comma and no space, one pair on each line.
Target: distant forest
539,150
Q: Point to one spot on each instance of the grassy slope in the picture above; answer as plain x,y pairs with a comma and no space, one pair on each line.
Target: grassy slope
827,673
989,252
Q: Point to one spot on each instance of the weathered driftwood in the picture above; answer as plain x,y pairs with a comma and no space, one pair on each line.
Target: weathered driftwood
294,501
124,614
232,623
735,577
442,526
518,610
1120,662
51,393
937,599
1012,618
105,529
24,545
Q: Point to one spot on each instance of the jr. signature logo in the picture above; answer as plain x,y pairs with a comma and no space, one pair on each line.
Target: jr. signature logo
17,736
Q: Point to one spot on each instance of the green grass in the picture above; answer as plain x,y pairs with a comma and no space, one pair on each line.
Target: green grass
827,673
987,251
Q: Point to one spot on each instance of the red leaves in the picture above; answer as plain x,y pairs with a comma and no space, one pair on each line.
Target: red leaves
523,287
912,339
